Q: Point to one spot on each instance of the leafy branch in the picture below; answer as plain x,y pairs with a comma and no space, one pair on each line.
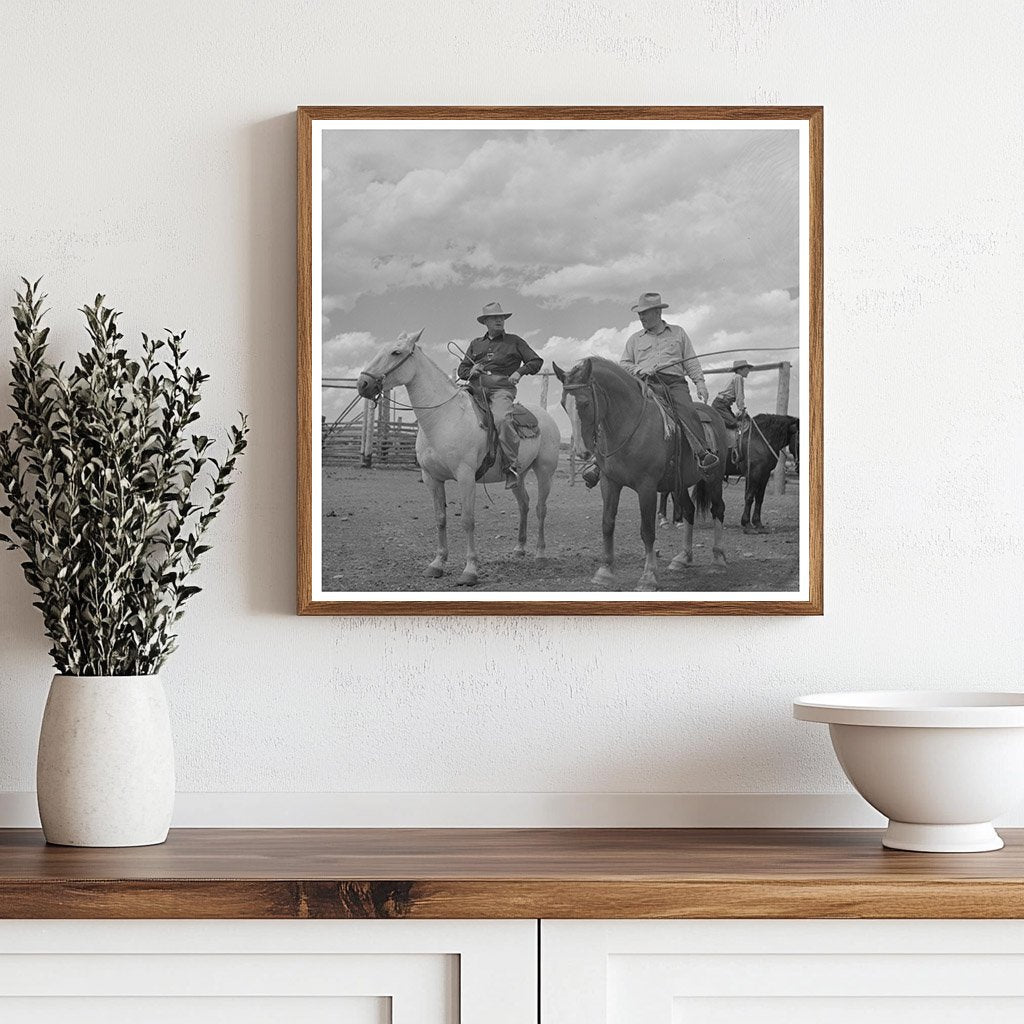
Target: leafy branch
109,494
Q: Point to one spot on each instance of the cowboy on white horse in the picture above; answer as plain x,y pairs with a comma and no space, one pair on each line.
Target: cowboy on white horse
500,360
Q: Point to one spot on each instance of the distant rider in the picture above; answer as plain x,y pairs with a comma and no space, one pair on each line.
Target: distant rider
733,392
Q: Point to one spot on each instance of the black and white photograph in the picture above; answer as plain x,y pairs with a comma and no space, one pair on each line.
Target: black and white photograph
559,360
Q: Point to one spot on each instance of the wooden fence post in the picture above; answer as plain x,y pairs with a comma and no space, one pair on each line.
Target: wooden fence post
782,409
366,441
384,426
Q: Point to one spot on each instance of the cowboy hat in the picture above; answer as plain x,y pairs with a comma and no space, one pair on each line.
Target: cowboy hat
741,364
649,300
492,309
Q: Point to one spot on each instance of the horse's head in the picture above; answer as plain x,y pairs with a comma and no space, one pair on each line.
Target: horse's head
793,440
579,402
392,365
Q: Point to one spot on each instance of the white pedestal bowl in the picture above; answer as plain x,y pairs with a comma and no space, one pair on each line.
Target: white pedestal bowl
940,766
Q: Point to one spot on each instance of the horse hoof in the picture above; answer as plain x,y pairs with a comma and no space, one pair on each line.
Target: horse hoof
681,562
719,557
432,572
604,579
467,579
647,586
519,553
662,521
761,528
747,529
540,555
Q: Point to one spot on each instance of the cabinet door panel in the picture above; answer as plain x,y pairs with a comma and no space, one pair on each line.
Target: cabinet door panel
727,972
302,972
847,1010
188,1010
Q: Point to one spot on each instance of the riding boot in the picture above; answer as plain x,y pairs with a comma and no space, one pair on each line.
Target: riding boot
679,392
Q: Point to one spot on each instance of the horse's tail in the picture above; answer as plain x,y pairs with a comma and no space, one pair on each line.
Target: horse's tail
702,498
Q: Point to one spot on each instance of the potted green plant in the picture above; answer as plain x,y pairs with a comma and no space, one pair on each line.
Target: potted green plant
109,495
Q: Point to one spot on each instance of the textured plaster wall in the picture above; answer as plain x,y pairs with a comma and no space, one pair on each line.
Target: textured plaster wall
148,152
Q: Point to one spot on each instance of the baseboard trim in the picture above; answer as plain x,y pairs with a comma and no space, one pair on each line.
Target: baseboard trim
504,810
495,810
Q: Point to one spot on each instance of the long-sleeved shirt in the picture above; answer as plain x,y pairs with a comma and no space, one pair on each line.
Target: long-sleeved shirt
668,350
500,356
733,392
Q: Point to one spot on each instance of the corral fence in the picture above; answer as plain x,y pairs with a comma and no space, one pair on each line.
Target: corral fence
367,434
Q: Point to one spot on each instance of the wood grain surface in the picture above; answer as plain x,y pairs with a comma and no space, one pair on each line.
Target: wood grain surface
811,439
508,873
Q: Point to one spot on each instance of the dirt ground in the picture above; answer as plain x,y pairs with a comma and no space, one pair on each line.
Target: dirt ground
379,534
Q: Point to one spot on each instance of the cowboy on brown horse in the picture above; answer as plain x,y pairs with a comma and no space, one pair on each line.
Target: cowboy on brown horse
663,354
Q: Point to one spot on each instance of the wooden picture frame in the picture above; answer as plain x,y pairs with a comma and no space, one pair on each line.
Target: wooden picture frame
808,597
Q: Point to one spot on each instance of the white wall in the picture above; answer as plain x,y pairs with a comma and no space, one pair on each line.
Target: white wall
148,152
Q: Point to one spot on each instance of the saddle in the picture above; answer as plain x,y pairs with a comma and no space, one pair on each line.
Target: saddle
524,422
673,428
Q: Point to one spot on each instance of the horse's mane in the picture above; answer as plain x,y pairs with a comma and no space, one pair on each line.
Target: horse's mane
609,366
776,420
776,427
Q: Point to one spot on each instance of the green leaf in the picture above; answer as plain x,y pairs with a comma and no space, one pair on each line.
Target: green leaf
98,470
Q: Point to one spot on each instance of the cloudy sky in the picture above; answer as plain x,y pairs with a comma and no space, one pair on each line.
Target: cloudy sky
565,228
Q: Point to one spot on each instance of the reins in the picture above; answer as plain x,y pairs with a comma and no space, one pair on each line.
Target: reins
379,382
593,391
422,408
765,439
777,454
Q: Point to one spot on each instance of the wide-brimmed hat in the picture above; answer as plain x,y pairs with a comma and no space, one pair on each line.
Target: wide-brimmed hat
492,309
741,364
649,300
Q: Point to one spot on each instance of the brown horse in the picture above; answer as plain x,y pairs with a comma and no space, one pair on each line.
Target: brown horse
623,428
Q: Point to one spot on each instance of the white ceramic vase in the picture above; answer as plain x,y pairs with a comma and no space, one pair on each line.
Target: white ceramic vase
105,771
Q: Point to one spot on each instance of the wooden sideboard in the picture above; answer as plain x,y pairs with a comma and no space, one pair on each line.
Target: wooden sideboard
577,926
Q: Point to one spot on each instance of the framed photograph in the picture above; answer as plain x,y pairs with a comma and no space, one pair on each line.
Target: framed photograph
560,360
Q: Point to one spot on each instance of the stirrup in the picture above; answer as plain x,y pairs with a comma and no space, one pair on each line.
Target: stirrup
708,461
511,478
591,474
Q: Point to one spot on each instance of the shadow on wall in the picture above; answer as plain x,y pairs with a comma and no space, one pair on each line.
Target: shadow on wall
269,177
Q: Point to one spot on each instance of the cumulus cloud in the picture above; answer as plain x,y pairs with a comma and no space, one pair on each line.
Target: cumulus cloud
347,353
560,215
607,342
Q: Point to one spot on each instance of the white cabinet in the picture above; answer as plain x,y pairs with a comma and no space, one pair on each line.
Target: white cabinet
486,972
258,972
782,972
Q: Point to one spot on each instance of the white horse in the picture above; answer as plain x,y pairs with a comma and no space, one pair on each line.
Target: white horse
451,445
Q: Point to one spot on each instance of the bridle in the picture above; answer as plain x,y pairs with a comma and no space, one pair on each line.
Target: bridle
379,378
378,384
593,389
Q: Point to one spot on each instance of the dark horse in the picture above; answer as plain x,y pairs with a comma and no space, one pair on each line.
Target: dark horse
760,445
623,428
